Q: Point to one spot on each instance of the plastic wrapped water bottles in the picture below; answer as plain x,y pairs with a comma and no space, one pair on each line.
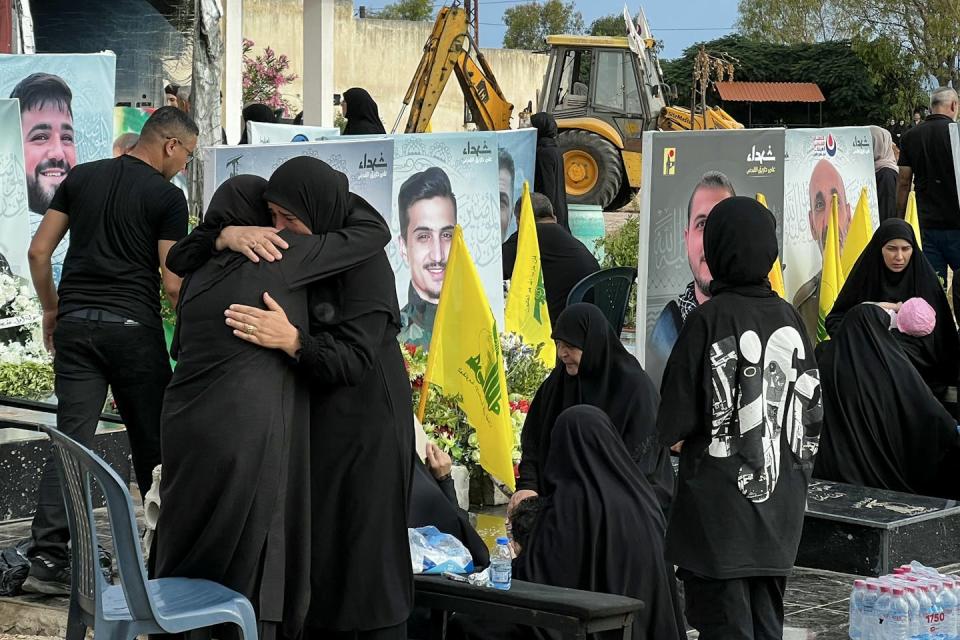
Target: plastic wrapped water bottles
948,604
856,609
896,624
501,565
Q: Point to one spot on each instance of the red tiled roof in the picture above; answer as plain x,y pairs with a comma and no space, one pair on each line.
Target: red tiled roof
770,92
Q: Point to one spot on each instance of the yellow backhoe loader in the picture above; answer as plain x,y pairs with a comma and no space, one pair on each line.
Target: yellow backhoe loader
603,91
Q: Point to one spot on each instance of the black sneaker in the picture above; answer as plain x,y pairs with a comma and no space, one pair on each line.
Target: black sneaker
47,577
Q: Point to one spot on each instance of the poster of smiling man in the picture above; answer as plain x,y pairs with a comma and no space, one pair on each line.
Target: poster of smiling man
66,115
820,163
441,180
685,175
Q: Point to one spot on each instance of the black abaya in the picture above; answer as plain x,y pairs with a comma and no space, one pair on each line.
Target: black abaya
363,116
361,451
549,175
883,427
255,113
936,356
600,529
609,378
429,505
235,431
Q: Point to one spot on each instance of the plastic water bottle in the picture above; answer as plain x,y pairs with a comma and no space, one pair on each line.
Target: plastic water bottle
501,564
868,607
934,617
882,610
896,624
947,602
856,609
923,627
910,595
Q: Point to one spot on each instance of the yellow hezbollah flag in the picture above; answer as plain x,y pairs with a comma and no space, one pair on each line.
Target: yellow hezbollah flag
527,313
465,360
858,234
776,271
831,280
912,218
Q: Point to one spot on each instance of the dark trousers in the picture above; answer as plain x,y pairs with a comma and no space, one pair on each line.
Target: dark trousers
740,609
942,248
91,354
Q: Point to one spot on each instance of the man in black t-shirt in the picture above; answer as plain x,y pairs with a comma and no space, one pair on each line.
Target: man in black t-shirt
566,261
103,323
926,158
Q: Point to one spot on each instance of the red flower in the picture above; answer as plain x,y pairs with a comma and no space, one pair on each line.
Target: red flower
418,382
411,348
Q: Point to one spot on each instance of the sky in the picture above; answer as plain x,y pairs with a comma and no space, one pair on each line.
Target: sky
677,25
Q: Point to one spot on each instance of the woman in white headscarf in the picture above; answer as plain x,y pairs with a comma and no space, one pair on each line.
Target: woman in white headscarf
887,173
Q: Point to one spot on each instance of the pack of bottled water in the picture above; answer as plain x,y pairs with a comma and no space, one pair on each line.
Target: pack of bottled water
915,602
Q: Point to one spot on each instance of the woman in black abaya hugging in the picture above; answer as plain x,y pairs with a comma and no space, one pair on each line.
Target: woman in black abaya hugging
361,438
594,368
882,426
236,426
600,529
890,271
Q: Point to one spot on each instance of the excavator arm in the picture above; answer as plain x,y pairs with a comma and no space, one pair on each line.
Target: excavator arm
673,118
444,53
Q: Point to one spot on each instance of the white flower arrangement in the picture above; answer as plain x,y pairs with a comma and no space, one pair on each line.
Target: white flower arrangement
26,369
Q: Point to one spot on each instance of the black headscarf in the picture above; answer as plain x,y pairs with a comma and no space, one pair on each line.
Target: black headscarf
546,126
237,201
609,378
548,177
740,245
937,356
601,528
320,197
363,116
882,426
256,113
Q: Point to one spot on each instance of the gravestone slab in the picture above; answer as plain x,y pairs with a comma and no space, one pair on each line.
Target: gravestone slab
869,532
23,449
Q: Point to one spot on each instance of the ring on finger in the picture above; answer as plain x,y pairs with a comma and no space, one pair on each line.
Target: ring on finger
249,329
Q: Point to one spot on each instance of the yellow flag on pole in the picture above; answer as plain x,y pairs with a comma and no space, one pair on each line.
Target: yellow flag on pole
858,234
465,360
776,271
527,314
831,279
912,218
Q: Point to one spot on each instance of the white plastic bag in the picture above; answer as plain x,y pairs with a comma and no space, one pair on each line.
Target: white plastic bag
434,552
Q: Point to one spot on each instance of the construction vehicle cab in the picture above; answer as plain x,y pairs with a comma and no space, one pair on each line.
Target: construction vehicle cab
595,90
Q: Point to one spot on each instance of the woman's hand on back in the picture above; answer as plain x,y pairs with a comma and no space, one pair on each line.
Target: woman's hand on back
438,462
253,242
268,328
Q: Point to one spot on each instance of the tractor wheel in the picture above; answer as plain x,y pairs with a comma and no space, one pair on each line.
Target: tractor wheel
592,168
624,197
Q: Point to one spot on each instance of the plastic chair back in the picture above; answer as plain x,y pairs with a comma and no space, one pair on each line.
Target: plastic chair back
611,293
77,466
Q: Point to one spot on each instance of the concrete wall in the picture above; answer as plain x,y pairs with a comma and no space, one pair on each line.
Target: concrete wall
381,56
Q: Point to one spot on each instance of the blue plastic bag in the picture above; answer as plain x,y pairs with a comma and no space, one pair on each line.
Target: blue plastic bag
434,552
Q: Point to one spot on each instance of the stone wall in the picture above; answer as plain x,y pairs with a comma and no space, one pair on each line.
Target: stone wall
382,55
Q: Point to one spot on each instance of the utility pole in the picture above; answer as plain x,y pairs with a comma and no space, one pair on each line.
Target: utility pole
472,7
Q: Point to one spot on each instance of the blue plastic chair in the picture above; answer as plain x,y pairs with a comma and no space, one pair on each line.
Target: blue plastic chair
138,606
611,292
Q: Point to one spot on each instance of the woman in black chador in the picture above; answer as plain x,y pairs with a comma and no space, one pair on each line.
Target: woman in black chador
600,529
882,427
361,112
235,426
548,176
361,446
594,368
891,270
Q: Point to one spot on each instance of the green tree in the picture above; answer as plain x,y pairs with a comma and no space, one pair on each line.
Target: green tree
529,24
924,33
416,10
859,89
611,25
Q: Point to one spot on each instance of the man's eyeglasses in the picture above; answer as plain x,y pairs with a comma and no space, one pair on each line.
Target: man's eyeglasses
190,155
